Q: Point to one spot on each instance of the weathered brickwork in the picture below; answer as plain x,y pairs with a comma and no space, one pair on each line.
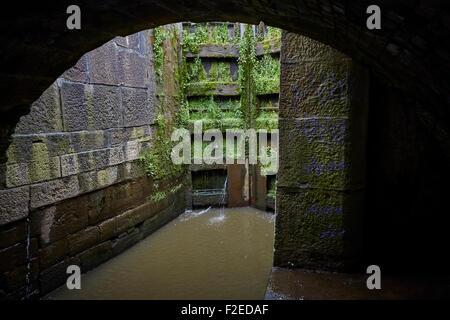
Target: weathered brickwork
72,183
85,127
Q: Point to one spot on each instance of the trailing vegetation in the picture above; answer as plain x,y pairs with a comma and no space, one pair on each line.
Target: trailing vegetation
176,188
156,160
267,119
196,72
271,167
226,153
266,74
224,72
206,34
160,34
220,34
255,76
272,33
157,196
216,114
246,62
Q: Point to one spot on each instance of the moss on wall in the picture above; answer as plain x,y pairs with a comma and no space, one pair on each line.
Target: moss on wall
183,78
156,160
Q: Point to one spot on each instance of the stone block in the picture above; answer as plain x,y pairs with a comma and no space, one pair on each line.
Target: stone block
123,222
3,176
133,170
69,165
318,148
79,72
116,199
118,136
23,148
132,71
132,150
305,228
107,229
150,225
53,253
56,275
315,228
12,233
93,160
83,240
10,257
75,106
94,256
130,42
42,167
101,72
316,89
104,107
298,48
163,217
138,109
57,144
86,141
123,135
58,221
116,155
125,241
20,149
98,179
14,204
15,280
53,191
143,212
17,175
45,114
146,143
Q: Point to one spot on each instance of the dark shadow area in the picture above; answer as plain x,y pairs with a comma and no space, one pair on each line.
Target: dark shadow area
406,221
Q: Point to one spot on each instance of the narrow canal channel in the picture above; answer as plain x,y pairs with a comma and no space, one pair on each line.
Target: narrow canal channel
203,254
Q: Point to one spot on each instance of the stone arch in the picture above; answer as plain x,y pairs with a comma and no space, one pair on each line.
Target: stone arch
406,55
408,51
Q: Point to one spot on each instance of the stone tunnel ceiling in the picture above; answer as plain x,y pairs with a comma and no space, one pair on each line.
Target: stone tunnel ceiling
411,51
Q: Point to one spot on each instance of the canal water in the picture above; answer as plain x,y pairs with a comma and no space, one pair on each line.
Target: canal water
203,254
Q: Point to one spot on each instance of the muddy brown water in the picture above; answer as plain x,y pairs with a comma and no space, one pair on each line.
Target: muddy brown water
214,254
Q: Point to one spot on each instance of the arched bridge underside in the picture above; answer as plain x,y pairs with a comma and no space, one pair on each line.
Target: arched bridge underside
411,51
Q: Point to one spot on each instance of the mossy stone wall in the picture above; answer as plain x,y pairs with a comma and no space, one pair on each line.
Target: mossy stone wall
321,179
73,176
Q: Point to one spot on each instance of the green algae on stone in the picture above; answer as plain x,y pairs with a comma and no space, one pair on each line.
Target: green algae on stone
42,167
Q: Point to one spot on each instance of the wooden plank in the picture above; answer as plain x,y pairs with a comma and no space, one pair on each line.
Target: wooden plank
215,51
212,88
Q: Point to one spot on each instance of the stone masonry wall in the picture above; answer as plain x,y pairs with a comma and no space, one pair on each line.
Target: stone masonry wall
321,179
72,190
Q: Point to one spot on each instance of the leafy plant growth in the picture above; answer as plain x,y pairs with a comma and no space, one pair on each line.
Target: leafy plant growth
157,161
266,73
272,33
